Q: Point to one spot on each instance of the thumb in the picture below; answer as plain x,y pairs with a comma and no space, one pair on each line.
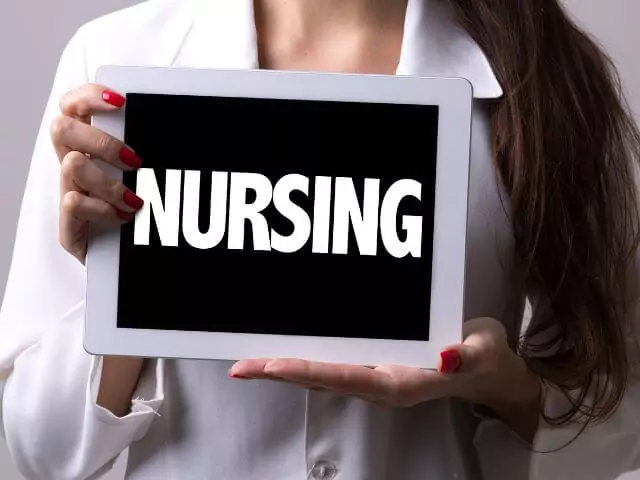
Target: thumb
456,358
480,334
482,331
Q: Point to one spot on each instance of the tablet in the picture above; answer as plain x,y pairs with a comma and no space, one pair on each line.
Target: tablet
300,215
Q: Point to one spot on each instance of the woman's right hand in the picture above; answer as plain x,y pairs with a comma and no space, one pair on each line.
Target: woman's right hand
88,193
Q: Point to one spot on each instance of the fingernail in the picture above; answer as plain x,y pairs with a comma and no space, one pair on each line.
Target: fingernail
238,377
130,158
132,200
450,361
113,98
124,216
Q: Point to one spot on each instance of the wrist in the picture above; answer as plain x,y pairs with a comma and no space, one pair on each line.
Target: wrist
118,380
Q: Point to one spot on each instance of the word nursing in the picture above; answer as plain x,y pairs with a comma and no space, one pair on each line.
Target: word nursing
229,199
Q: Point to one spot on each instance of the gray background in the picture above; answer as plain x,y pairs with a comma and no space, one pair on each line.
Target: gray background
33,33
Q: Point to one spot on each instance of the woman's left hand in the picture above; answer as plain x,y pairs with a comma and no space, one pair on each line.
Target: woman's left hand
483,370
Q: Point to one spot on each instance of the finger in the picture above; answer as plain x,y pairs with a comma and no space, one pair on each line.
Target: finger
257,368
79,172
254,370
345,379
481,335
69,134
383,386
76,210
83,101
250,368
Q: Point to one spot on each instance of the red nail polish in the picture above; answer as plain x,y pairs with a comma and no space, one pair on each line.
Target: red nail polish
238,377
450,361
113,98
130,158
132,200
124,216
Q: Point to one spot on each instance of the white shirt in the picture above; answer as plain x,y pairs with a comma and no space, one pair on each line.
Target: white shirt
188,420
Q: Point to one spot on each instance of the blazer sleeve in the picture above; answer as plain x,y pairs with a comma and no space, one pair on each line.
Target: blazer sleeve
603,451
48,413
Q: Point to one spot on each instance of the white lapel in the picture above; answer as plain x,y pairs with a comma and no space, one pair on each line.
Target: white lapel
435,45
223,35
137,37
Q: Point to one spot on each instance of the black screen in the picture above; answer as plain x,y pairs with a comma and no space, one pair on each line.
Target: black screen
379,288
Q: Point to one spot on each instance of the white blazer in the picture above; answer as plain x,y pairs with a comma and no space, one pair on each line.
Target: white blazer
188,420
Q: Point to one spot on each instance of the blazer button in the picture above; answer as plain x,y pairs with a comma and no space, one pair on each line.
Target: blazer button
323,471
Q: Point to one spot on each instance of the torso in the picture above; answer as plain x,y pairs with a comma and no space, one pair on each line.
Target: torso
210,427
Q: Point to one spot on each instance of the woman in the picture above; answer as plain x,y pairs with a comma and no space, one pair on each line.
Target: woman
553,217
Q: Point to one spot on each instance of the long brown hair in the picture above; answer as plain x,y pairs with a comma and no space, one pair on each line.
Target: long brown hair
566,148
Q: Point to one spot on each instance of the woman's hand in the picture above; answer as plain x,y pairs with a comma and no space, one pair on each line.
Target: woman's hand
482,370
87,193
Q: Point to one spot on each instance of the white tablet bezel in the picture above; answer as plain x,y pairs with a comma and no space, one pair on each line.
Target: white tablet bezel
452,95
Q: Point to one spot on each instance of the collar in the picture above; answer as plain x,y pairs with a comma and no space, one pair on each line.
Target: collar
223,35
